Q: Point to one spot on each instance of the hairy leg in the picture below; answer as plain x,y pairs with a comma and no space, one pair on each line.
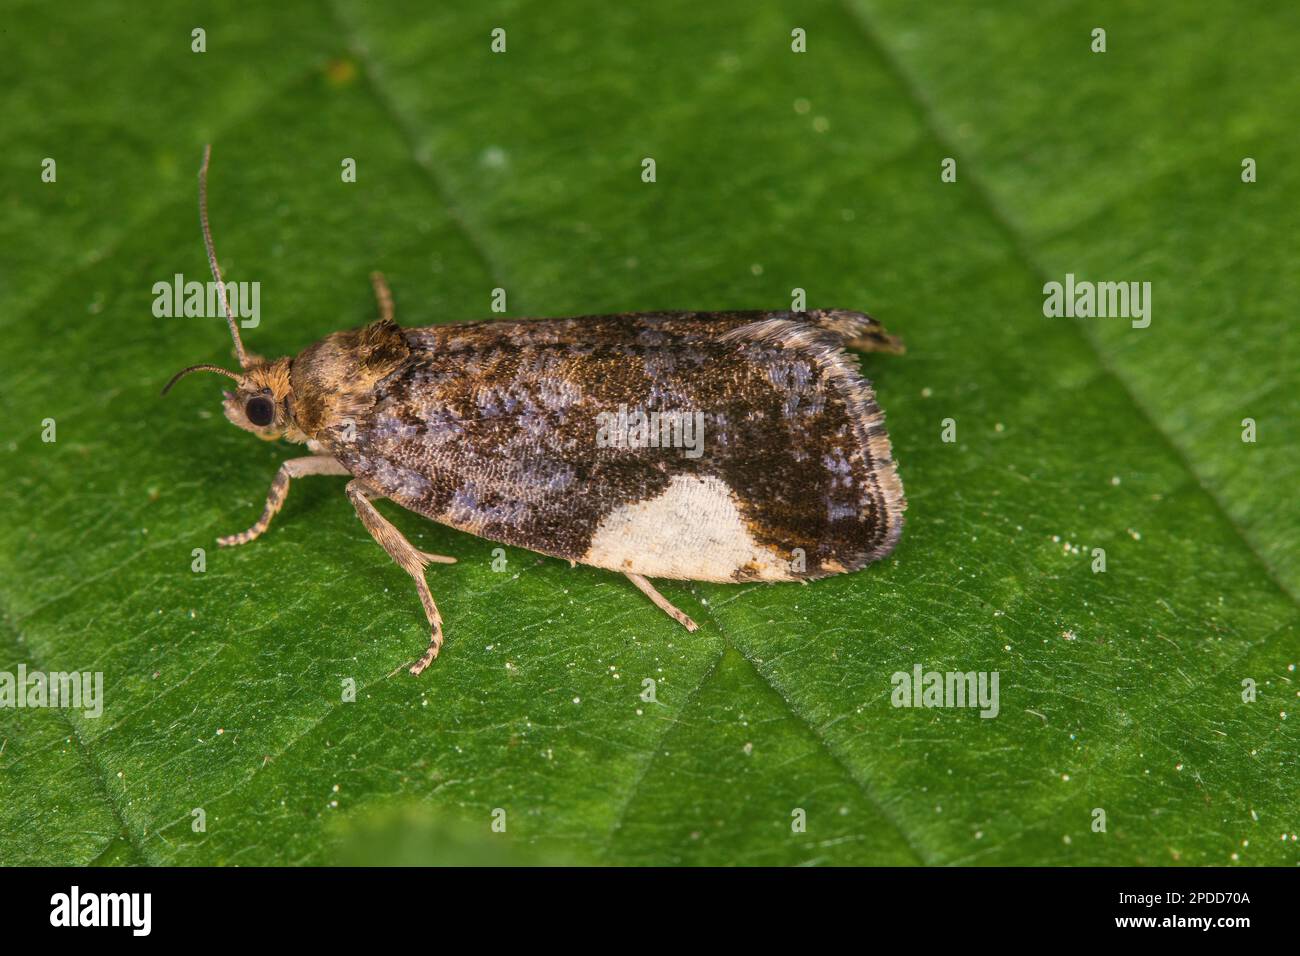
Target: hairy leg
293,468
408,557
382,296
660,601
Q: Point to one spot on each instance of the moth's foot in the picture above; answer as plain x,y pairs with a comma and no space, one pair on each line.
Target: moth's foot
660,601
435,645
293,468
436,558
685,621
231,540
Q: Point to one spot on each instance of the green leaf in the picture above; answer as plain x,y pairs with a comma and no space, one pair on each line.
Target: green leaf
1119,691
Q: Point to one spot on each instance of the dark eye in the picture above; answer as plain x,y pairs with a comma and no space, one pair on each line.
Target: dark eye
260,410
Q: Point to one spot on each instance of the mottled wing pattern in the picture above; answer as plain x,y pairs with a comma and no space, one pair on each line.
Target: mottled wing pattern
494,429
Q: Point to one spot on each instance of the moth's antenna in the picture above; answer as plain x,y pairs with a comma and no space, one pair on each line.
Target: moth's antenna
197,368
212,257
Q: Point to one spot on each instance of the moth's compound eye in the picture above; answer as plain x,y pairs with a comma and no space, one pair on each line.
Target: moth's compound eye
260,410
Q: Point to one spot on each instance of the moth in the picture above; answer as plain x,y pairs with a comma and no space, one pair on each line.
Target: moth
503,430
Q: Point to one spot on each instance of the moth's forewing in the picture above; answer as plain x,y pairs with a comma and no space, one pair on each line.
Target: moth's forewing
505,430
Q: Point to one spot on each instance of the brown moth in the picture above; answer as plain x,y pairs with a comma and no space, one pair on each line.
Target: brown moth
550,435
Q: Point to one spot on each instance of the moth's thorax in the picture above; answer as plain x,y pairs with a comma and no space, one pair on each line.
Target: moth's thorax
333,381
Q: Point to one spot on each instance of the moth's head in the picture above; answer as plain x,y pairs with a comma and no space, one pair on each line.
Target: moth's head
262,402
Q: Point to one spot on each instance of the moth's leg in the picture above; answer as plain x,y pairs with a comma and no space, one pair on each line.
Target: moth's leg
293,468
408,557
661,602
429,557
382,296
436,558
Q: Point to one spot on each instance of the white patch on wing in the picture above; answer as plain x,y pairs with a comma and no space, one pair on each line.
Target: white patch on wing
692,531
